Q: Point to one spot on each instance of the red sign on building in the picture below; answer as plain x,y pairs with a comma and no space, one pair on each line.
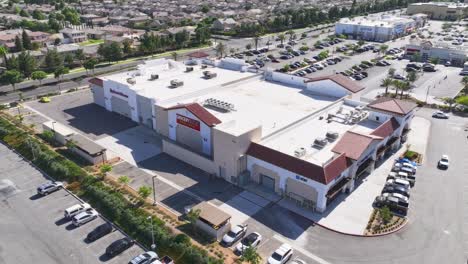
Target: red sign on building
188,122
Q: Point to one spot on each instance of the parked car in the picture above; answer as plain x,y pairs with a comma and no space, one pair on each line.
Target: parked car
404,183
49,187
236,233
119,246
396,189
99,232
145,258
443,162
464,73
281,255
84,217
76,209
399,76
252,240
440,114
318,66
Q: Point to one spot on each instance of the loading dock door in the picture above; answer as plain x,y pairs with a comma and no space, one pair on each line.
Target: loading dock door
189,137
120,106
268,182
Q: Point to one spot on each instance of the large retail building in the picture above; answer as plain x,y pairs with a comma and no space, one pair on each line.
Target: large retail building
438,10
301,138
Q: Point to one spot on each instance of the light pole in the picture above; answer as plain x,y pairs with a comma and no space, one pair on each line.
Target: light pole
153,246
154,193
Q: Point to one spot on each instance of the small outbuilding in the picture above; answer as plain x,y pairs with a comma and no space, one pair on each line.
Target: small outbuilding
87,149
61,132
213,220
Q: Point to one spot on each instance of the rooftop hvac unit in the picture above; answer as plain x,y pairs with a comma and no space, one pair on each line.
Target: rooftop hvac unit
359,108
320,142
219,104
204,66
332,135
131,81
154,77
188,69
176,83
209,74
300,152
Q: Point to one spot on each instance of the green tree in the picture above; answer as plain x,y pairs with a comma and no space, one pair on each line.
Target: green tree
323,54
39,76
12,63
59,72
90,64
174,55
69,60
412,77
18,44
281,38
383,48
385,214
124,180
434,60
220,49
387,82
3,54
80,56
250,255
12,77
205,9
391,72
26,64
37,14
127,47
53,60
24,13
449,101
248,46
193,217
26,40
291,34
110,52
104,169
463,100
144,191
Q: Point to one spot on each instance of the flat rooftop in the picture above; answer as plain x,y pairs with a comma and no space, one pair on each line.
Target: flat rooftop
262,103
167,70
303,134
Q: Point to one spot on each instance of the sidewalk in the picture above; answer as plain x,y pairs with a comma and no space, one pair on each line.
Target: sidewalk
370,96
350,213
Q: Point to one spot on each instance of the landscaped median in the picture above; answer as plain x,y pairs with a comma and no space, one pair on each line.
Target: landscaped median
125,211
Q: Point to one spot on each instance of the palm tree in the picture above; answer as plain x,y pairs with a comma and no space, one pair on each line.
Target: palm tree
281,38
387,82
174,55
404,87
220,49
397,85
291,34
3,53
383,48
391,72
256,40
232,50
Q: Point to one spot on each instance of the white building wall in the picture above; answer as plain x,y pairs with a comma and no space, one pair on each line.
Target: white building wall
286,79
285,174
205,131
327,87
115,89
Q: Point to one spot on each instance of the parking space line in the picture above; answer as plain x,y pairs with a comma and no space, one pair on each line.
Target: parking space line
301,250
262,243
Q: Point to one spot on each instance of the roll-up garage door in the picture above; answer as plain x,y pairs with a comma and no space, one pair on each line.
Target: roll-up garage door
189,137
268,182
120,106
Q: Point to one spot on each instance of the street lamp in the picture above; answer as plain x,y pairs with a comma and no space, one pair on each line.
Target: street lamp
154,193
153,245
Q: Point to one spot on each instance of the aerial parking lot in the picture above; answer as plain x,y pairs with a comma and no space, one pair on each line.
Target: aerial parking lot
33,228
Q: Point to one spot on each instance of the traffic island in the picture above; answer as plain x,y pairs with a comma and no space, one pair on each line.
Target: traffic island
383,222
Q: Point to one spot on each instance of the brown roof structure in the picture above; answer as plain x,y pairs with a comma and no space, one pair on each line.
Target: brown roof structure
198,55
96,81
341,80
353,144
212,214
392,105
302,167
387,128
200,112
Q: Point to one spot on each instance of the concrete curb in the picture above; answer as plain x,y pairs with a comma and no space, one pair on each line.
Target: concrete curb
71,193
364,236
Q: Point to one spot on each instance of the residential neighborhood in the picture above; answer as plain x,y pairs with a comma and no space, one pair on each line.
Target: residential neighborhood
233,132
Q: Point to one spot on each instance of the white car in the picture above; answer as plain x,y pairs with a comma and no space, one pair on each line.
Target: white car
252,240
443,162
236,233
84,217
399,76
145,258
281,255
440,114
76,209
48,187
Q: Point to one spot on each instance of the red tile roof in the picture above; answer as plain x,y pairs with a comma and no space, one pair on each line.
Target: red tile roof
198,55
301,167
341,80
200,112
387,128
392,105
96,81
353,144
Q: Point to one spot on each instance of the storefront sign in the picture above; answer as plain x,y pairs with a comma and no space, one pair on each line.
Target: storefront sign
118,93
188,122
300,178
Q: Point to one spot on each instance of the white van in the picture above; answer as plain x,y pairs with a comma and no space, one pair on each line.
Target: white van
76,209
